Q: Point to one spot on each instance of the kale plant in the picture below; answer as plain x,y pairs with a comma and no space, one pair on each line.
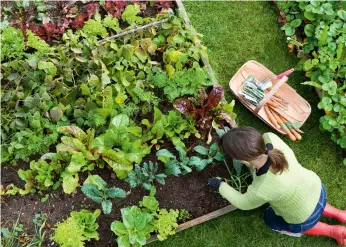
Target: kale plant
96,189
145,176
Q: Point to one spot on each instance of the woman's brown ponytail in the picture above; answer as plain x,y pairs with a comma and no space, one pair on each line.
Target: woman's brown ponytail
278,161
247,144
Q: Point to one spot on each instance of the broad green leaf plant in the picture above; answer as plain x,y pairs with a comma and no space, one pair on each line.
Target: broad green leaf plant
322,28
95,188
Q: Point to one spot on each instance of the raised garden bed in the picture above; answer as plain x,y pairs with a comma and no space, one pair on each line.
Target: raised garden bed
187,192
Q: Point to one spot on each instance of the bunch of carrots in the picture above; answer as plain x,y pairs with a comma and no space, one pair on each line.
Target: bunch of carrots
279,121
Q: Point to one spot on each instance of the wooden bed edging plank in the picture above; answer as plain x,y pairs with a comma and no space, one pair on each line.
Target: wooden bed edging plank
199,220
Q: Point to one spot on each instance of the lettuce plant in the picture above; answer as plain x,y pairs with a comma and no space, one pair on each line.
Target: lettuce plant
166,223
79,227
135,227
206,107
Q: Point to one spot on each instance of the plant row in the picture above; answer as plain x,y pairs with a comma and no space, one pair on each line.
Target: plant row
317,30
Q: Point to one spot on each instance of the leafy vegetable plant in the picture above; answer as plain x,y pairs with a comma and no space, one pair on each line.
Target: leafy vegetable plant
173,126
138,222
174,165
79,227
135,227
96,189
320,43
145,176
166,223
205,107
212,154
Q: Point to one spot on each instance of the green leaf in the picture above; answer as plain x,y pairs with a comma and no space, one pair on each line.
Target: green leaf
96,180
91,191
164,155
115,192
199,163
118,228
105,79
130,14
48,67
120,121
116,160
111,22
237,166
213,149
313,84
324,78
75,131
201,150
123,241
309,30
56,113
170,70
295,23
106,206
76,164
127,217
342,14
70,183
150,203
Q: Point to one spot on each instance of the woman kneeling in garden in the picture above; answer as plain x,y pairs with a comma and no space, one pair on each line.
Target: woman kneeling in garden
296,195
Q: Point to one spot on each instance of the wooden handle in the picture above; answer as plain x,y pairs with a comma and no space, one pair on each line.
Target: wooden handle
271,117
294,132
296,129
284,127
270,94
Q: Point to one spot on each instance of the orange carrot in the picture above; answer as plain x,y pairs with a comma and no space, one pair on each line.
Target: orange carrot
271,117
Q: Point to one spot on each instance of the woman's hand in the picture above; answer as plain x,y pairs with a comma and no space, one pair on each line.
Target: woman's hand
214,183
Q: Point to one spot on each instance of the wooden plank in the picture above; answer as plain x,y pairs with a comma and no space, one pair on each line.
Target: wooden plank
133,30
199,220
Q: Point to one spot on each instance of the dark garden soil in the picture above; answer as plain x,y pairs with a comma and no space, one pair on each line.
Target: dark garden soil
188,192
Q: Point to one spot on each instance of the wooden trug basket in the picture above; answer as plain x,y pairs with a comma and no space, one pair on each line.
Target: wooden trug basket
298,109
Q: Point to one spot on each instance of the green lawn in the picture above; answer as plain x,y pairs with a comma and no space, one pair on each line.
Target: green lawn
234,33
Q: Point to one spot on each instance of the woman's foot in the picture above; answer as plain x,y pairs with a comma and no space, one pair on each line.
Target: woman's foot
323,229
338,214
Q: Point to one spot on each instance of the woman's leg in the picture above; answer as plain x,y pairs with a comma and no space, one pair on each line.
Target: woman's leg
323,229
338,214
277,223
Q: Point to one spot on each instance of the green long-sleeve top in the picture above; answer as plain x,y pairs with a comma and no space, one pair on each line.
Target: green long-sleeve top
293,194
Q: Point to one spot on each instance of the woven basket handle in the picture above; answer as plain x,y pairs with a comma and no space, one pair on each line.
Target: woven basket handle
270,94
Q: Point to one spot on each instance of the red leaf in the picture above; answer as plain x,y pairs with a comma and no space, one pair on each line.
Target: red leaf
185,106
39,31
78,21
164,4
115,8
215,96
202,96
91,8
55,30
